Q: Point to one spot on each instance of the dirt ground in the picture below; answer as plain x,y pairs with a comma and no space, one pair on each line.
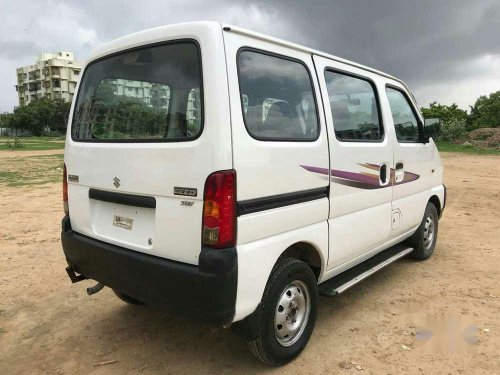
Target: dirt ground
441,316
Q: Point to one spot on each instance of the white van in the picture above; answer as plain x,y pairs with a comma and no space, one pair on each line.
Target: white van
235,176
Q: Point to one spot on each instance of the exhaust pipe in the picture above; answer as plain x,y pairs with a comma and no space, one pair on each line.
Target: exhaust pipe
94,289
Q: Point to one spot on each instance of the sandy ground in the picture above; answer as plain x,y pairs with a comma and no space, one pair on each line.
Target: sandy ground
49,326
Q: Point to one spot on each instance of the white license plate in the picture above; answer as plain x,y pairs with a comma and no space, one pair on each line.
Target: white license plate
123,222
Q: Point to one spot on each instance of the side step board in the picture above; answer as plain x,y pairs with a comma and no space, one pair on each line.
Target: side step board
351,277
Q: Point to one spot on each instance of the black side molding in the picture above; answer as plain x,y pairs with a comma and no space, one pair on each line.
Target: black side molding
275,201
121,198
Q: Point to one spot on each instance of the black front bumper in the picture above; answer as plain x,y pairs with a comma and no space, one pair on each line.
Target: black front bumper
207,290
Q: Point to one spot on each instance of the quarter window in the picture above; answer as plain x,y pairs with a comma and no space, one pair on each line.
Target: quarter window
405,121
354,107
277,98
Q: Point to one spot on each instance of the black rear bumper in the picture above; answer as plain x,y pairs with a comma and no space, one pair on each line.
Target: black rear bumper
207,290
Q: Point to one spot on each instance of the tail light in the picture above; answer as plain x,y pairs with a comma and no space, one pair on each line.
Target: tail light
219,210
65,191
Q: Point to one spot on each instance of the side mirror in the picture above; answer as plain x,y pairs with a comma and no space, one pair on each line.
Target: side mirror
432,128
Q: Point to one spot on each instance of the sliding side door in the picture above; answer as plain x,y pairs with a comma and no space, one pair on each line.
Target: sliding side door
361,160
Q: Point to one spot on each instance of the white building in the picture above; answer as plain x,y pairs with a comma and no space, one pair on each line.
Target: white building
53,75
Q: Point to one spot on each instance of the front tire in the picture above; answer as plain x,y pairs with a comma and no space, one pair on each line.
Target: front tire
424,239
287,314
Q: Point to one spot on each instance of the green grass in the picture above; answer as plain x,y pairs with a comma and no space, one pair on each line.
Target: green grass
34,143
468,149
31,170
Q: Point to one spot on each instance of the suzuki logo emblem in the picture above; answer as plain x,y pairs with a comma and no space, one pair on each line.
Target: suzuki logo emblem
116,182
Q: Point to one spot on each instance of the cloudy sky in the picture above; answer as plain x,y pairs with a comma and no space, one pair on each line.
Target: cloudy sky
446,50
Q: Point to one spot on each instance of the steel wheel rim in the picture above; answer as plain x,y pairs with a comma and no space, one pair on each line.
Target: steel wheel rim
429,231
292,313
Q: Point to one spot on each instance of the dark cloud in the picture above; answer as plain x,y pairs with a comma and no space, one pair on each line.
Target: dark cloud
414,40
446,50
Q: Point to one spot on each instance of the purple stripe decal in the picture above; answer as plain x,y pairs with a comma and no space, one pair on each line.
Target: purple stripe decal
360,180
356,177
316,169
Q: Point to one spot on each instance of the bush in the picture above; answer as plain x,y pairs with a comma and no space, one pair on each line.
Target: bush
13,144
453,131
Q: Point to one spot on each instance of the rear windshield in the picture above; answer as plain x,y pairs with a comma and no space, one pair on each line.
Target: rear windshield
148,94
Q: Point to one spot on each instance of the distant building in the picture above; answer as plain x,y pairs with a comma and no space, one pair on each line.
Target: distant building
53,75
156,96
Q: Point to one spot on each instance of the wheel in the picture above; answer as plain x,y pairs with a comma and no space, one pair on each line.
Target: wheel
287,314
424,239
126,298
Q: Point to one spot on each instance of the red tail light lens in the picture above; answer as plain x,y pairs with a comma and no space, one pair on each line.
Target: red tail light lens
65,191
219,210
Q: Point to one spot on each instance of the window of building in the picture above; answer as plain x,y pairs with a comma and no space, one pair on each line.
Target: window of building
277,98
354,106
405,121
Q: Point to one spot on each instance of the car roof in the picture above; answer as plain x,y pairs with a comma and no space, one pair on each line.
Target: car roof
150,35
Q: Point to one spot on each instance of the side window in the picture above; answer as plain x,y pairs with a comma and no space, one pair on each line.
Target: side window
354,107
405,121
277,98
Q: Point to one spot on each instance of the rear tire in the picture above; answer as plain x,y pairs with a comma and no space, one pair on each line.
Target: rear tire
424,239
126,298
287,314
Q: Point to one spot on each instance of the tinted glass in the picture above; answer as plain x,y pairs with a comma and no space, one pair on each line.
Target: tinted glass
404,119
147,94
277,98
354,108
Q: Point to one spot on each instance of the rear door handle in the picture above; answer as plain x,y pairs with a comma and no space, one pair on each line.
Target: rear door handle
400,172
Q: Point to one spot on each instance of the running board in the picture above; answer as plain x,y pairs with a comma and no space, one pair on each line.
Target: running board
351,277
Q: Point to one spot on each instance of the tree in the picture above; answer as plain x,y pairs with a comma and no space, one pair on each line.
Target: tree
453,120
446,113
39,116
486,112
60,116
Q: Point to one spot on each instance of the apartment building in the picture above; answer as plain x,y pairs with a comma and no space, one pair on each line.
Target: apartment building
53,75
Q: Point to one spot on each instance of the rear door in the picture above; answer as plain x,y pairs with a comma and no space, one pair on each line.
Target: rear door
360,159
150,123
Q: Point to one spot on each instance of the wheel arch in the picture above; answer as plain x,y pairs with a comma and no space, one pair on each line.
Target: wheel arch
437,203
307,253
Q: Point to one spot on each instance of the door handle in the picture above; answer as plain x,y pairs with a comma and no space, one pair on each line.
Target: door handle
400,172
384,176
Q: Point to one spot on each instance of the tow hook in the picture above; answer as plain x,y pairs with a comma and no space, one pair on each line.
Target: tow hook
73,276
94,289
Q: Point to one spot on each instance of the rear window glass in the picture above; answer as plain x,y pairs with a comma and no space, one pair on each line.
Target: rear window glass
277,98
147,94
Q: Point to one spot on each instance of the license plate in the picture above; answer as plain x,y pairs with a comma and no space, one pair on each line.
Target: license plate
123,222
